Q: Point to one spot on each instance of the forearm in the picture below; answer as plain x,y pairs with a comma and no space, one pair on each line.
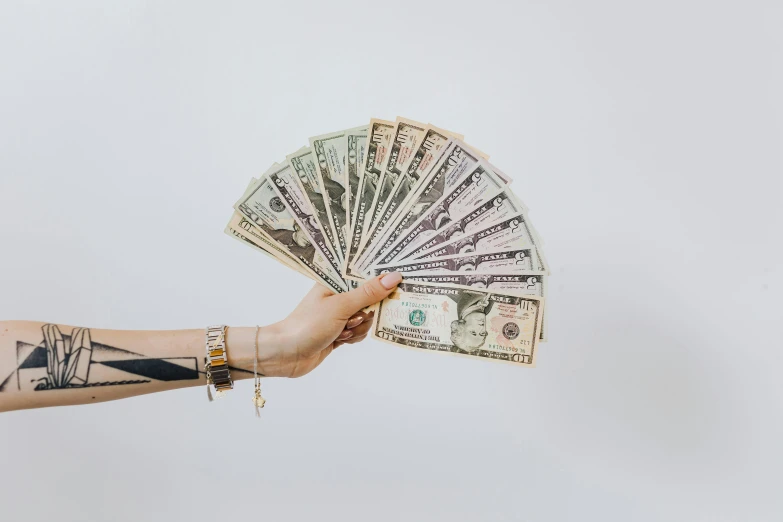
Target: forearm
92,365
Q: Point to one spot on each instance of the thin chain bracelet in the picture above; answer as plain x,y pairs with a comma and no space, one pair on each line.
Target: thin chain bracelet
258,401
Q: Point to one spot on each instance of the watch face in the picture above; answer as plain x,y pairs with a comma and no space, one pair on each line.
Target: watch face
215,338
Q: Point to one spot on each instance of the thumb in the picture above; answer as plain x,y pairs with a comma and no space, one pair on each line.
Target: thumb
367,294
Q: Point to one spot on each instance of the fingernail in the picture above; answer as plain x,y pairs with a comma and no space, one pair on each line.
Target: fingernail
346,334
354,321
389,281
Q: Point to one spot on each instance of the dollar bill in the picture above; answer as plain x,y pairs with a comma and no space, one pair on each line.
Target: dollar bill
497,209
456,158
421,162
467,321
260,238
476,188
246,232
529,282
380,134
522,283
512,233
283,182
356,147
453,134
264,207
407,137
303,164
330,153
510,261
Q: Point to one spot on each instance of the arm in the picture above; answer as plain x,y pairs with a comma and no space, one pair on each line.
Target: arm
51,365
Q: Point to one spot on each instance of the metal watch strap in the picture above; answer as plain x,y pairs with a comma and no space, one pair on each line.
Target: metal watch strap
217,359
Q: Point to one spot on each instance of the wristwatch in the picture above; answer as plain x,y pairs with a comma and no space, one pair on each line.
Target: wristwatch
217,360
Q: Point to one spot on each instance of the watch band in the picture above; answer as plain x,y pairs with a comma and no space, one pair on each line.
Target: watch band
217,359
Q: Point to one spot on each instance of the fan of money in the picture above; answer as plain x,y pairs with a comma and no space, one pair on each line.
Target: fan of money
413,198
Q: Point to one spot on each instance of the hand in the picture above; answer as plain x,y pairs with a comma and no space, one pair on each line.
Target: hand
322,322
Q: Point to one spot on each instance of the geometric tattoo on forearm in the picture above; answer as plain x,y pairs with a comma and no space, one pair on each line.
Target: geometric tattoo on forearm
75,361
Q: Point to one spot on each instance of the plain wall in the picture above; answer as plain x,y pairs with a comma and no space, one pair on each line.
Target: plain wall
645,137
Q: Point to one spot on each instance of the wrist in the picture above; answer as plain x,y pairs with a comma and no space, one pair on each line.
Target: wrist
241,346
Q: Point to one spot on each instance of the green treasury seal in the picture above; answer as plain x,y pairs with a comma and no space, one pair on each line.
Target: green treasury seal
417,317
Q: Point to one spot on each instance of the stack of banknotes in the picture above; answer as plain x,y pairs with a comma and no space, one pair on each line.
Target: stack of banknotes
413,198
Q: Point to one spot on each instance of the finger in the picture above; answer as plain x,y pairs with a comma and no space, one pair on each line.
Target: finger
345,334
367,294
354,340
366,317
359,334
362,329
319,290
355,321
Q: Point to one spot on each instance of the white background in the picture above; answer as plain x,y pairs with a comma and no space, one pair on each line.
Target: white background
645,137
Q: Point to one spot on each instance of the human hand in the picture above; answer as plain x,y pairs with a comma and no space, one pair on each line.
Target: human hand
322,322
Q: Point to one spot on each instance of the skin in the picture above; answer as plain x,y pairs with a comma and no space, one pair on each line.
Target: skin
293,347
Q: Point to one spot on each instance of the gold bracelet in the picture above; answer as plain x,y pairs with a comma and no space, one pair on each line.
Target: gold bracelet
216,364
258,401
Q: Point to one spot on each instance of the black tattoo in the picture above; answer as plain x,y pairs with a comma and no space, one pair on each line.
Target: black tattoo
75,361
